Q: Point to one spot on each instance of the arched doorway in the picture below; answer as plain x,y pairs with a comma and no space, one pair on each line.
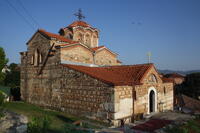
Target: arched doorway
152,101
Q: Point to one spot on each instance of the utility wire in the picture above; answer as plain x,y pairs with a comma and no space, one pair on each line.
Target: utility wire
28,13
25,20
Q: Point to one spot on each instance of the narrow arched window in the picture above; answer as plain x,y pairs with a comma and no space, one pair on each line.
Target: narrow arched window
36,58
79,37
70,36
87,39
40,58
94,40
32,59
164,90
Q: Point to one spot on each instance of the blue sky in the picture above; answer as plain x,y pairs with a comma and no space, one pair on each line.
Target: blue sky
169,29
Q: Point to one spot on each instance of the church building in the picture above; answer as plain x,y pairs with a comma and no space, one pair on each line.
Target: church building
70,72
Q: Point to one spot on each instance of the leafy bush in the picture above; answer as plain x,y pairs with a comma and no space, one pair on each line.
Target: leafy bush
176,130
39,124
1,103
2,97
34,125
193,125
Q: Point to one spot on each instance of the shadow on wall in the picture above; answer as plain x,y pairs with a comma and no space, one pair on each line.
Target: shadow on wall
15,94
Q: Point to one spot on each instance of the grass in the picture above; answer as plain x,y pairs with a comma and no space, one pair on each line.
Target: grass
59,119
5,89
192,126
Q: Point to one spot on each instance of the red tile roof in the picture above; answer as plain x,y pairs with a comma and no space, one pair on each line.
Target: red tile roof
174,75
118,61
52,35
79,23
167,80
115,75
102,47
97,48
69,42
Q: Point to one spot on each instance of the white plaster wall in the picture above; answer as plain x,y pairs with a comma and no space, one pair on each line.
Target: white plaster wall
124,108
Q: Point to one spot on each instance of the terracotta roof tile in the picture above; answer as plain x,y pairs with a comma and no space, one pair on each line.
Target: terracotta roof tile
115,75
118,61
174,75
102,47
52,35
97,48
167,80
79,23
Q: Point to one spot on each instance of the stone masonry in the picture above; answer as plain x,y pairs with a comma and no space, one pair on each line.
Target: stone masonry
107,92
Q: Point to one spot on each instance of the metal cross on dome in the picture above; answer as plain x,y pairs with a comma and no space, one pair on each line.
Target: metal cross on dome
79,15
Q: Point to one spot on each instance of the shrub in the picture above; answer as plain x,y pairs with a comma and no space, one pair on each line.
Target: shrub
2,97
34,125
1,103
193,125
39,124
176,130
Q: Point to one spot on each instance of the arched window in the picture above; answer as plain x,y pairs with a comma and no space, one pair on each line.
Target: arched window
152,78
70,36
164,90
94,40
37,58
79,37
32,59
87,39
40,58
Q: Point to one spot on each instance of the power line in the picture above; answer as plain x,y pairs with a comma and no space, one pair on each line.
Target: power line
25,20
27,12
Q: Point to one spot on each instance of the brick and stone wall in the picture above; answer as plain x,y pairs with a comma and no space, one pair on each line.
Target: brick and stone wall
86,36
77,54
123,103
80,54
104,57
61,88
163,97
68,90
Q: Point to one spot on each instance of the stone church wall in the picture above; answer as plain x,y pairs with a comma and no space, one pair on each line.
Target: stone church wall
105,58
64,89
163,97
123,99
77,54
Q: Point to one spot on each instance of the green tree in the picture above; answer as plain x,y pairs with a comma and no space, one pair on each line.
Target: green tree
13,77
13,67
3,62
191,85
